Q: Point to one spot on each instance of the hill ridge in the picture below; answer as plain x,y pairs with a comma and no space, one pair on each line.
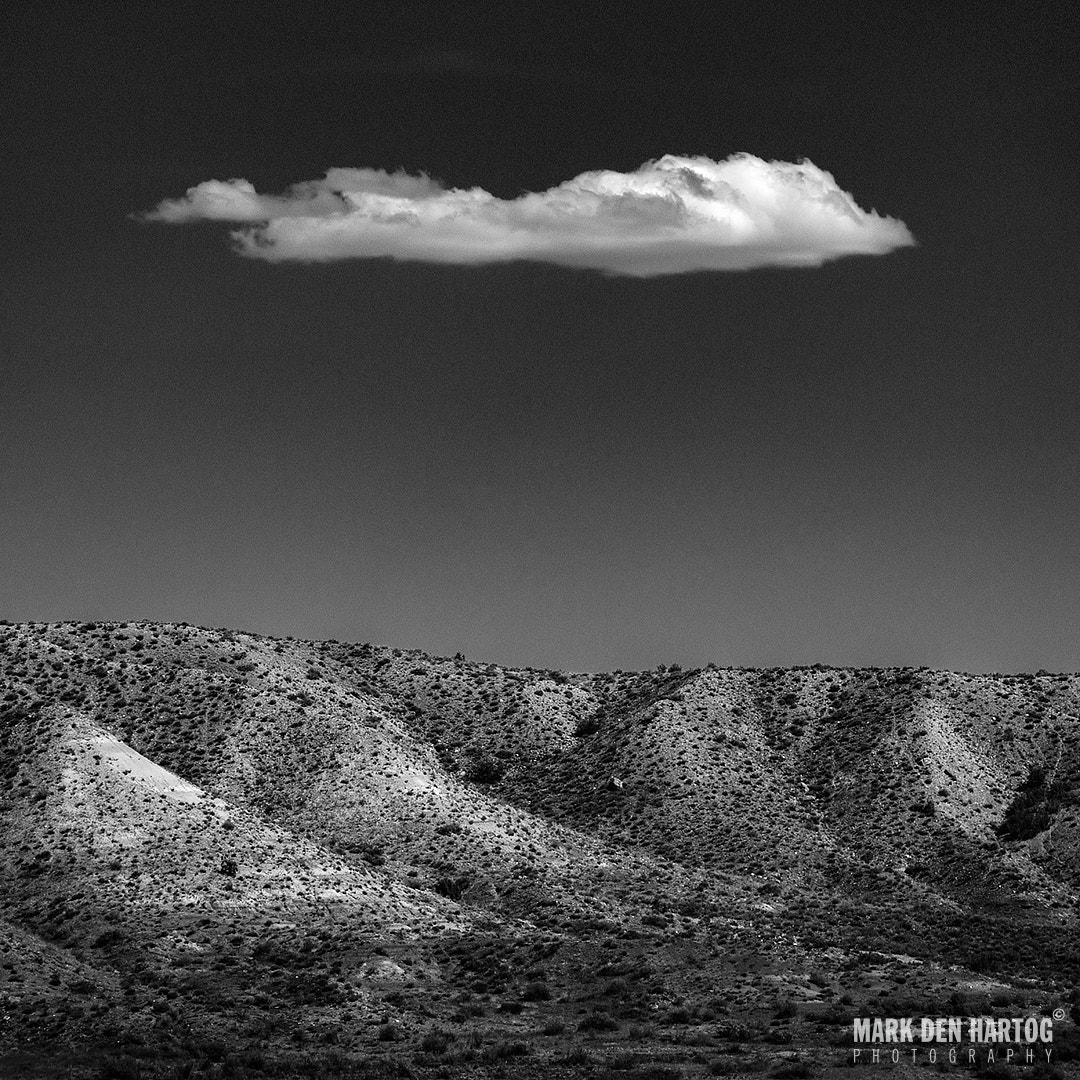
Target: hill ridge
180,801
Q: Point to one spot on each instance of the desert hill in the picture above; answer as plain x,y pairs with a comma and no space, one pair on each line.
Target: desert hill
229,851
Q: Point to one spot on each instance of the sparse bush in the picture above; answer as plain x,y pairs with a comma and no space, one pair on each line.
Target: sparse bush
370,853
452,887
436,1042
485,769
598,1021
536,991
503,1050
786,1009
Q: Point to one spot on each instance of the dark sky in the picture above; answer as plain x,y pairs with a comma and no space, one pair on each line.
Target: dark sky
872,462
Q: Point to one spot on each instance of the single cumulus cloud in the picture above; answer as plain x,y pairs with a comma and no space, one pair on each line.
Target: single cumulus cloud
670,216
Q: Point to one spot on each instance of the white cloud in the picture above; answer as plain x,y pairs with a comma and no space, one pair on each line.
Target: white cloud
669,216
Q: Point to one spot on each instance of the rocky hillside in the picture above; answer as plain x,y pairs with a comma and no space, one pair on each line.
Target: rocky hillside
221,851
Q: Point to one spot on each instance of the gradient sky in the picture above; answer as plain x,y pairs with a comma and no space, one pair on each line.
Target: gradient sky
871,462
